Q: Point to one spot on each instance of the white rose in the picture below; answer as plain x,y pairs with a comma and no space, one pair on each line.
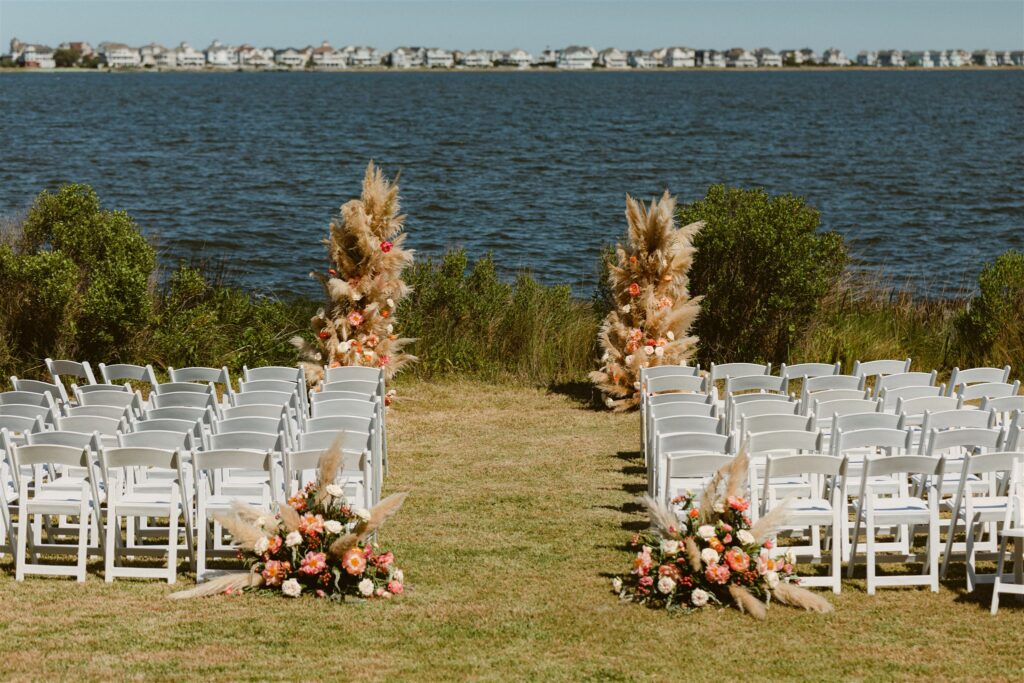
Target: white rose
648,350
745,537
293,539
399,576
670,547
790,557
609,402
390,329
719,508
617,584
261,545
709,556
333,526
344,346
666,584
698,597
772,578
365,588
629,359
706,531
362,513
659,352
291,588
625,309
671,335
391,303
335,491
356,296
636,385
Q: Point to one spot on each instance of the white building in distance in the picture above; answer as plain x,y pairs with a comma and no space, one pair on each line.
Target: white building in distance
478,59
834,57
680,57
438,58
120,56
612,58
221,56
576,57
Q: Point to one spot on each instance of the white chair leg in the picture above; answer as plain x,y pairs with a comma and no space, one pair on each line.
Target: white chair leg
969,558
172,542
933,554
23,531
84,523
109,554
998,580
202,536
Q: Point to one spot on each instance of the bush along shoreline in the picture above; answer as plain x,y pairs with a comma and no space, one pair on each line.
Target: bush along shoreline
78,281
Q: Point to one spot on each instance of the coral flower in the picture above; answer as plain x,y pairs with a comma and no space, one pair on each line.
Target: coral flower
274,572
332,272
384,359
324,334
385,246
395,587
737,560
694,513
311,524
298,502
354,561
385,313
355,318
738,504
371,340
274,545
717,573
313,563
634,289
384,561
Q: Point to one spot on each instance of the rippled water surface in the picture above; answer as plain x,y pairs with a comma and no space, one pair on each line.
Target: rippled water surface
923,172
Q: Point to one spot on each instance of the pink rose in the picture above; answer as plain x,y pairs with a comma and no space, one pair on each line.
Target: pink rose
737,560
738,504
395,587
716,573
646,581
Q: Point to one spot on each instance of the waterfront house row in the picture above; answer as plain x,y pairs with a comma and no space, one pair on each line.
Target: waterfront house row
575,57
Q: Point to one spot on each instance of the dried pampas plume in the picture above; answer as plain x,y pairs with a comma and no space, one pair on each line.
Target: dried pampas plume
222,584
363,287
747,603
795,596
769,525
663,517
289,517
330,461
650,323
245,534
380,513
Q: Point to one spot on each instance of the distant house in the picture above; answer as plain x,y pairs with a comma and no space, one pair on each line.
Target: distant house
521,59
867,58
1017,57
189,57
576,57
739,58
1005,58
83,48
711,59
326,57
984,58
255,58
290,58
221,56
477,59
405,58
792,57
940,59
892,58
120,56
834,57
921,58
438,58
612,58
680,57
548,57
658,55
767,57
808,56
361,55
958,58
36,57
150,55
641,59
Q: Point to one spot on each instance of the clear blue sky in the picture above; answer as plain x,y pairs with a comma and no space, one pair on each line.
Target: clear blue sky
852,25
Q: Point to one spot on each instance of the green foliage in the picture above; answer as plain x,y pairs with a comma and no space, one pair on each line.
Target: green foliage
991,330
66,57
91,62
467,320
762,268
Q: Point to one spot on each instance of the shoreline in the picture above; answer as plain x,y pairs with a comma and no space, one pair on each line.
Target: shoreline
510,69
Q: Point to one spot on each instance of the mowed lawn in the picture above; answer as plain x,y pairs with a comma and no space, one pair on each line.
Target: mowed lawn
520,506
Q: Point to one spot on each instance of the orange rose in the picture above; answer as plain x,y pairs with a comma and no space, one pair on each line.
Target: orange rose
634,289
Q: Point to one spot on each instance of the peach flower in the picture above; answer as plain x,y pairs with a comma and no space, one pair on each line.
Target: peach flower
354,561
737,560
717,573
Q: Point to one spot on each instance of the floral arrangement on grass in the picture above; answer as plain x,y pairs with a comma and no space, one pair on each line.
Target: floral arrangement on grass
706,552
357,325
649,280
316,544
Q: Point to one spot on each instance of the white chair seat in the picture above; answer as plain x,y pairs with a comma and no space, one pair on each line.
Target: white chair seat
139,504
900,510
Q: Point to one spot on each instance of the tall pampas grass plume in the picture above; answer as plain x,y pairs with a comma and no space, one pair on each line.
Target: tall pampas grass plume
650,322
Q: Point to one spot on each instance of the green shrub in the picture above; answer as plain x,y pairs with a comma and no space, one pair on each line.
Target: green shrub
991,330
762,268
467,320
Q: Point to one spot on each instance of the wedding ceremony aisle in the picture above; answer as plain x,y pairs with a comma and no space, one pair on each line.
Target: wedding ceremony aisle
521,503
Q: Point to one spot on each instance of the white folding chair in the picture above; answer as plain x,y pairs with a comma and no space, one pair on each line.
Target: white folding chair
809,370
879,368
32,386
717,372
350,441
977,376
202,374
69,368
1013,530
688,472
760,445
974,392
823,506
891,398
902,380
1004,407
123,372
353,475
682,444
902,510
124,501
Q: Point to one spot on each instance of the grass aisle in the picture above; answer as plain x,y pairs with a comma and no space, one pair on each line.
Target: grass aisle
520,504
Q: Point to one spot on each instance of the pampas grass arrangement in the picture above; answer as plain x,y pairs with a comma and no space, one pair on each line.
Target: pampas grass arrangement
364,285
653,312
706,552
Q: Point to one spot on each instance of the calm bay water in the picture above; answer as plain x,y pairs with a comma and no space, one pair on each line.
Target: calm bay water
923,172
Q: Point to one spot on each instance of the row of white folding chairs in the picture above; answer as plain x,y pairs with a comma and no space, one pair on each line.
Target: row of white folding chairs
202,478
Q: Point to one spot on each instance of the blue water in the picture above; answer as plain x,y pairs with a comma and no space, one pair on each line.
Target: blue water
922,172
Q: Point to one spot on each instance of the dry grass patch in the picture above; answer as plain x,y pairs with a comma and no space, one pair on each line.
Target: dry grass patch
521,503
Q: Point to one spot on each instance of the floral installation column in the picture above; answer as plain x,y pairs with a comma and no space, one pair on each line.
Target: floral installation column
364,286
653,312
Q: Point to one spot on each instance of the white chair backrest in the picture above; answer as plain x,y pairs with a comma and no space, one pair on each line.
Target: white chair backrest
959,419
356,373
880,367
905,379
201,374
322,396
185,387
684,383
77,440
662,399
167,424
56,391
124,371
183,399
687,423
724,370
70,368
123,457
804,463
47,454
121,399
278,372
785,440
922,404
269,398
967,439
255,410
694,442
978,376
27,398
762,383
17,424
748,409
254,441
682,408
267,385
857,421
826,382
18,410
890,398
357,407
826,410
177,413
988,390
350,441
157,439
829,395
775,422
892,441
91,423
113,412
809,370
77,390
340,423
353,385
880,465
261,425
693,466
669,370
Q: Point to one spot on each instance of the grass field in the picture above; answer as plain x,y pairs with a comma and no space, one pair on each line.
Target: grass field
521,504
